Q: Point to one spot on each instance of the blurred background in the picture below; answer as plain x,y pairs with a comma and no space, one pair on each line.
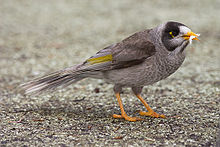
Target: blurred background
38,37
61,33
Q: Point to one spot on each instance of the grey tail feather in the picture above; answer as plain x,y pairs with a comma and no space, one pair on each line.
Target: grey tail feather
50,82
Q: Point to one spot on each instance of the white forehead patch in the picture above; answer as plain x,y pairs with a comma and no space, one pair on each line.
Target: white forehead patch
184,29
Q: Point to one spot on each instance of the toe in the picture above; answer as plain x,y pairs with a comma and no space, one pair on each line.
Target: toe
128,118
152,114
116,116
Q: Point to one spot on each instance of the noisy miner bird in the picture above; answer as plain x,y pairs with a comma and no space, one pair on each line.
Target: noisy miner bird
142,59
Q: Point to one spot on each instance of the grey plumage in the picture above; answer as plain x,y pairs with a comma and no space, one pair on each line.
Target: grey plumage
139,60
140,55
53,80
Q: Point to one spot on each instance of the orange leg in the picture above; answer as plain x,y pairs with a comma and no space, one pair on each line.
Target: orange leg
150,112
123,113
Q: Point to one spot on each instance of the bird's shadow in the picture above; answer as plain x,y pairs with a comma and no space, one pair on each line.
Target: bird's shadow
73,109
69,108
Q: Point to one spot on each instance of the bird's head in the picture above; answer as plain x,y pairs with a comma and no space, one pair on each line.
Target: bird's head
176,36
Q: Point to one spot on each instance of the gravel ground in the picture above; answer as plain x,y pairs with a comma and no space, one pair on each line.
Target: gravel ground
38,37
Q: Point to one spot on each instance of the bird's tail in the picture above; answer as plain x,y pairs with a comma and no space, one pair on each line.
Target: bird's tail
51,81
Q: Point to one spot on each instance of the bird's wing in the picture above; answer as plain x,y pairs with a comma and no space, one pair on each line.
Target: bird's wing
129,52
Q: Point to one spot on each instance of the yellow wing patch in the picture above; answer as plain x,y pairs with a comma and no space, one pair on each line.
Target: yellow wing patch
101,59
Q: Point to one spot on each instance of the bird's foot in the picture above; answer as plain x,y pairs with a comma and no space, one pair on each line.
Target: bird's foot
126,117
152,114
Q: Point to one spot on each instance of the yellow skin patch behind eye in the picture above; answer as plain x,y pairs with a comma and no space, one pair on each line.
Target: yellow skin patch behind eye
171,33
101,59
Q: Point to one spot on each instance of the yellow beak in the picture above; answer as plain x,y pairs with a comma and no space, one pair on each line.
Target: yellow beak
189,35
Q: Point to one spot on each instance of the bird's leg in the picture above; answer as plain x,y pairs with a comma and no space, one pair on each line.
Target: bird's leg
150,112
123,113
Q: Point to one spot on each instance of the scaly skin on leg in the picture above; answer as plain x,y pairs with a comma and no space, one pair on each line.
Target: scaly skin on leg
150,112
123,113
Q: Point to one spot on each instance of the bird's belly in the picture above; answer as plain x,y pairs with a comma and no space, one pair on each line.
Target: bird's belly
143,74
